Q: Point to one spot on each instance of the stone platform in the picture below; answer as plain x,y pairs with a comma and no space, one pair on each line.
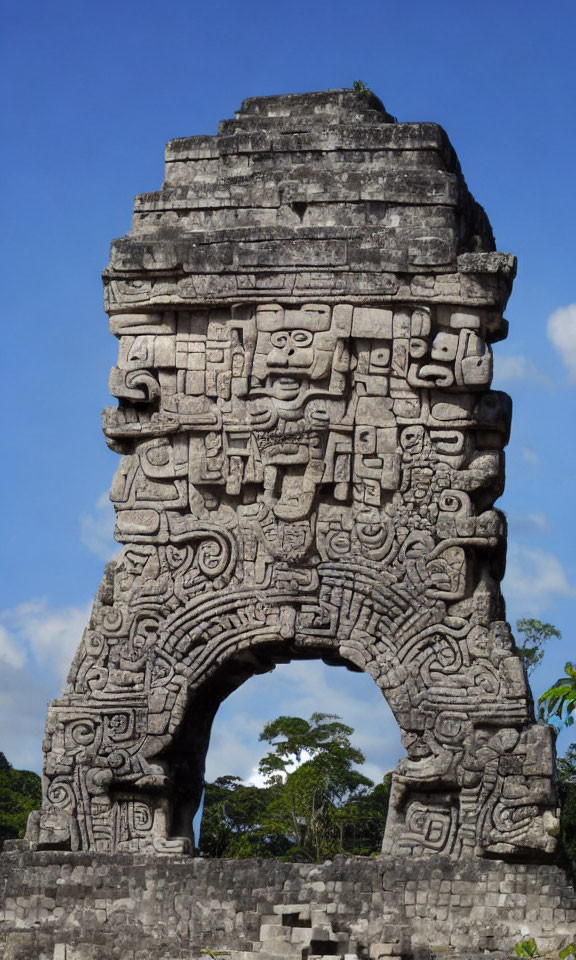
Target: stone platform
80,906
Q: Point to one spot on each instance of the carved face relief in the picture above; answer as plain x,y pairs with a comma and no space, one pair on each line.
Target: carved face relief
290,401
294,352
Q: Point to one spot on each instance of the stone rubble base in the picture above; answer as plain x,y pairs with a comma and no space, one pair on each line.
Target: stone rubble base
79,906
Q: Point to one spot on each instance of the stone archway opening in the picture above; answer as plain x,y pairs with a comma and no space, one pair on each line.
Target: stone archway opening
258,688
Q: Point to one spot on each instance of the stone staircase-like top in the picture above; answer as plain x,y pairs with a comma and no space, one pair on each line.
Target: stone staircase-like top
298,932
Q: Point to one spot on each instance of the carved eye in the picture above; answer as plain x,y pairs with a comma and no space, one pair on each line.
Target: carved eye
279,338
301,338
411,438
159,455
450,503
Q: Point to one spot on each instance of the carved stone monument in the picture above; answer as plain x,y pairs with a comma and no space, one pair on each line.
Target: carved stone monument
310,456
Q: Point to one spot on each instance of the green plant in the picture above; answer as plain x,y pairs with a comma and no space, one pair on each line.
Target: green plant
560,699
361,89
529,948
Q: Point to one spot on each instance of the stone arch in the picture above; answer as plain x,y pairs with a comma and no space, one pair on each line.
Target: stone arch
310,455
186,756
432,673
138,762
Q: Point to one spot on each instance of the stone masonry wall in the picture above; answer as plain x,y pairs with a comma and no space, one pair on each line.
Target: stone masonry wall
78,906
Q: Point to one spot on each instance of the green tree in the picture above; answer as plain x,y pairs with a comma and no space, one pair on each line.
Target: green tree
309,806
20,793
362,820
294,739
567,765
567,777
535,637
232,818
558,703
314,804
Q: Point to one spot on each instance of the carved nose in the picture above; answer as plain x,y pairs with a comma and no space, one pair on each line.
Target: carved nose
277,358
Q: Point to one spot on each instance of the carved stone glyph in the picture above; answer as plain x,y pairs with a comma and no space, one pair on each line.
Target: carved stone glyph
310,455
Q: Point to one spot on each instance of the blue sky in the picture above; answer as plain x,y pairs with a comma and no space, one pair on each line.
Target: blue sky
91,94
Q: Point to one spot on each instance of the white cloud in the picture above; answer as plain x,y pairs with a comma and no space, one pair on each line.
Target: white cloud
46,638
517,367
529,523
539,521
534,578
10,652
529,455
55,635
36,649
234,747
562,333
97,529
23,702
257,780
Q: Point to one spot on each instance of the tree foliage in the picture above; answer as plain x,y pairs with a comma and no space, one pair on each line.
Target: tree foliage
20,793
567,776
559,701
314,802
231,821
324,738
557,704
535,637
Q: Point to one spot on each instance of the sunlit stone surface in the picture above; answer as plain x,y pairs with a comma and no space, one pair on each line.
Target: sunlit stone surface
310,455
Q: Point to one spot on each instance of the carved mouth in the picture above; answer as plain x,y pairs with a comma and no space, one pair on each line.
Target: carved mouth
286,442
286,388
